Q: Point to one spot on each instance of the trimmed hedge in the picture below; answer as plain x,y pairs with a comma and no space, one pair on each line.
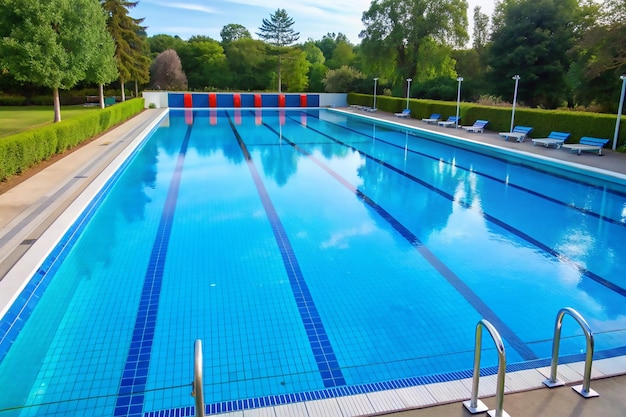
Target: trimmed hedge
543,121
23,150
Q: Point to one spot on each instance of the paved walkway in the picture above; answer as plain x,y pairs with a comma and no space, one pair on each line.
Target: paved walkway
27,210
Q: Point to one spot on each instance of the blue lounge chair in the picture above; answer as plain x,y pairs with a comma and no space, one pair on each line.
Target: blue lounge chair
452,121
405,113
587,143
554,138
478,126
518,132
434,118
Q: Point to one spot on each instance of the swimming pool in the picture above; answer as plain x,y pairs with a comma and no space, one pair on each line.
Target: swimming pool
310,251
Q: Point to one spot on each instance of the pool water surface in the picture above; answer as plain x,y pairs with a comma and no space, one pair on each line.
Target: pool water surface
314,254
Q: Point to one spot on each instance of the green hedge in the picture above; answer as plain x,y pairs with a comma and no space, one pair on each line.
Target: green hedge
23,150
543,121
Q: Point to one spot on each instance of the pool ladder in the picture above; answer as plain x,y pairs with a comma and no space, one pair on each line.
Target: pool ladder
474,405
197,390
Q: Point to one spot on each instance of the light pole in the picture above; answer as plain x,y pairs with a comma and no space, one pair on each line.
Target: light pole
516,78
408,91
375,81
619,110
458,101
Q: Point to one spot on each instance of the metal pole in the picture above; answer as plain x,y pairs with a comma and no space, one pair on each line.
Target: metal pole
408,91
458,101
619,110
516,78
197,391
375,80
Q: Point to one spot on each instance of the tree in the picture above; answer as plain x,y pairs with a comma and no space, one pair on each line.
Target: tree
343,54
296,71
396,30
234,32
51,43
329,42
280,34
160,43
103,69
600,55
204,63
481,30
342,80
130,51
317,70
167,72
532,38
249,64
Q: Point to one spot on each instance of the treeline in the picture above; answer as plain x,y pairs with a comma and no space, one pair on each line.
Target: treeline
568,53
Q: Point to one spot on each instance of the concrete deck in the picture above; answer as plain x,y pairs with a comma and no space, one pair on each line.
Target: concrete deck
29,209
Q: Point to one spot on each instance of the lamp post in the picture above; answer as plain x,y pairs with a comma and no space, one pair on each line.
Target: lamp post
408,91
619,110
516,78
458,101
375,81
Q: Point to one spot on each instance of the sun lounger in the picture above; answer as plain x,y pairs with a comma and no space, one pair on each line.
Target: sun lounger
587,144
519,133
434,118
405,113
452,121
555,139
478,126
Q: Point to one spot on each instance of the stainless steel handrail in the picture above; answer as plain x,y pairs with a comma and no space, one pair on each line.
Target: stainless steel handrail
582,389
474,405
197,390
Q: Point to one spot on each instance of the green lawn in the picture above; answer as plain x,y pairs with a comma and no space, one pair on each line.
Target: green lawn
15,119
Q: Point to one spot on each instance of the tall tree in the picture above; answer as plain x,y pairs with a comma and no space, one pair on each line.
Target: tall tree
51,43
249,64
234,32
204,63
278,31
600,56
532,38
162,42
317,70
481,30
130,50
396,30
103,69
296,71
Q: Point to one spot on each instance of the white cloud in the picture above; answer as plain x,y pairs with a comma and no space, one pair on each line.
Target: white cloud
186,6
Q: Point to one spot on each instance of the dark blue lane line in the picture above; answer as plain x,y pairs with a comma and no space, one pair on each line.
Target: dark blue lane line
323,352
583,271
130,397
496,179
472,298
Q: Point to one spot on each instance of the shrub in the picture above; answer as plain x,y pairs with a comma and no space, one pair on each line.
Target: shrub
23,150
543,121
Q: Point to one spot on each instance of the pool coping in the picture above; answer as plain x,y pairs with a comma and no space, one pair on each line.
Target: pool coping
377,402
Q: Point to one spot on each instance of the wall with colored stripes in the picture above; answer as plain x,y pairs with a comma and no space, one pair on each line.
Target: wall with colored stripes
234,100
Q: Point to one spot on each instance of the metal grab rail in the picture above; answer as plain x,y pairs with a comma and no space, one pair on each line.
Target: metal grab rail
196,385
582,389
474,405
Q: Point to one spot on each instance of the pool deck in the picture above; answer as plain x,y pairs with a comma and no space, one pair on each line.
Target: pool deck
28,210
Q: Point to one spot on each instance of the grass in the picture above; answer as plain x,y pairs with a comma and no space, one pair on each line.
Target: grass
14,119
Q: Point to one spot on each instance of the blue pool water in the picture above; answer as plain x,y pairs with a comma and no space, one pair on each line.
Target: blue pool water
315,254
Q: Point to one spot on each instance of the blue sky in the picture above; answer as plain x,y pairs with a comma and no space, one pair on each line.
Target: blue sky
313,18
